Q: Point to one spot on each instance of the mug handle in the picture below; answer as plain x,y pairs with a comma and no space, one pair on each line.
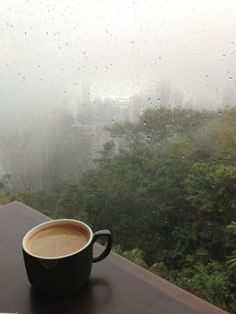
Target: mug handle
103,254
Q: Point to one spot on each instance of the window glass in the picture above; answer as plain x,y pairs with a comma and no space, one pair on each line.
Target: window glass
122,114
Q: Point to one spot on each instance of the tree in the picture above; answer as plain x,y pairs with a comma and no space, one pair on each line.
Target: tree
232,259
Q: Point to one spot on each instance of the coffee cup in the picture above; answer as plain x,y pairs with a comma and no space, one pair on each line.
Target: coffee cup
58,255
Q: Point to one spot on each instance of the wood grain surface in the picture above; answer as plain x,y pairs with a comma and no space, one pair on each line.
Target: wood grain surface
116,286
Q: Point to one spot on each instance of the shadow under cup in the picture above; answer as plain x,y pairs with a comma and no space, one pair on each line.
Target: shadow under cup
62,274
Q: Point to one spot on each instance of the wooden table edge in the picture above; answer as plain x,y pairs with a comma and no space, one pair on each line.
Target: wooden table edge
157,282
165,286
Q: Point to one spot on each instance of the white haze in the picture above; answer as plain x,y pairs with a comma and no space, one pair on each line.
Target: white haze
117,48
120,47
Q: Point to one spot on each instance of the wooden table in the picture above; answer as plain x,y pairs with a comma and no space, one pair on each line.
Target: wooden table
116,286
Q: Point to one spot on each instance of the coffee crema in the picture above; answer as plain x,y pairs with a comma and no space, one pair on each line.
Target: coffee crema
58,240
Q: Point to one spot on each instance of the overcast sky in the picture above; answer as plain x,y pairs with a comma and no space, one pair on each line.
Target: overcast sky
119,47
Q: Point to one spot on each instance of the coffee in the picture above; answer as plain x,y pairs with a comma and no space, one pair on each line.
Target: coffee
58,240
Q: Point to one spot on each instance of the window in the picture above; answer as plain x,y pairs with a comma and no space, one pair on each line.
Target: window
122,114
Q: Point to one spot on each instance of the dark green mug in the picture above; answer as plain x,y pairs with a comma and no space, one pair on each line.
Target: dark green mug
60,275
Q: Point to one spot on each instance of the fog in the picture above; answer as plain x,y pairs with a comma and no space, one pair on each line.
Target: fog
60,57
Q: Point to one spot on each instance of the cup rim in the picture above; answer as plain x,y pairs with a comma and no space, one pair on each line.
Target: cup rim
44,225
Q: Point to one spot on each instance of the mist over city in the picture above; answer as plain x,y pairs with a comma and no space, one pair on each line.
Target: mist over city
70,69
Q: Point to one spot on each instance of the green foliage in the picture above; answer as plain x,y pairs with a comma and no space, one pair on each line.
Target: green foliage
69,203
43,201
160,269
167,196
232,260
207,280
171,192
5,188
136,256
232,228
5,185
159,126
211,193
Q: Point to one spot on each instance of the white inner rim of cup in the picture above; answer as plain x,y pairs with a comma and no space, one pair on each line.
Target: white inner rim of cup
46,224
